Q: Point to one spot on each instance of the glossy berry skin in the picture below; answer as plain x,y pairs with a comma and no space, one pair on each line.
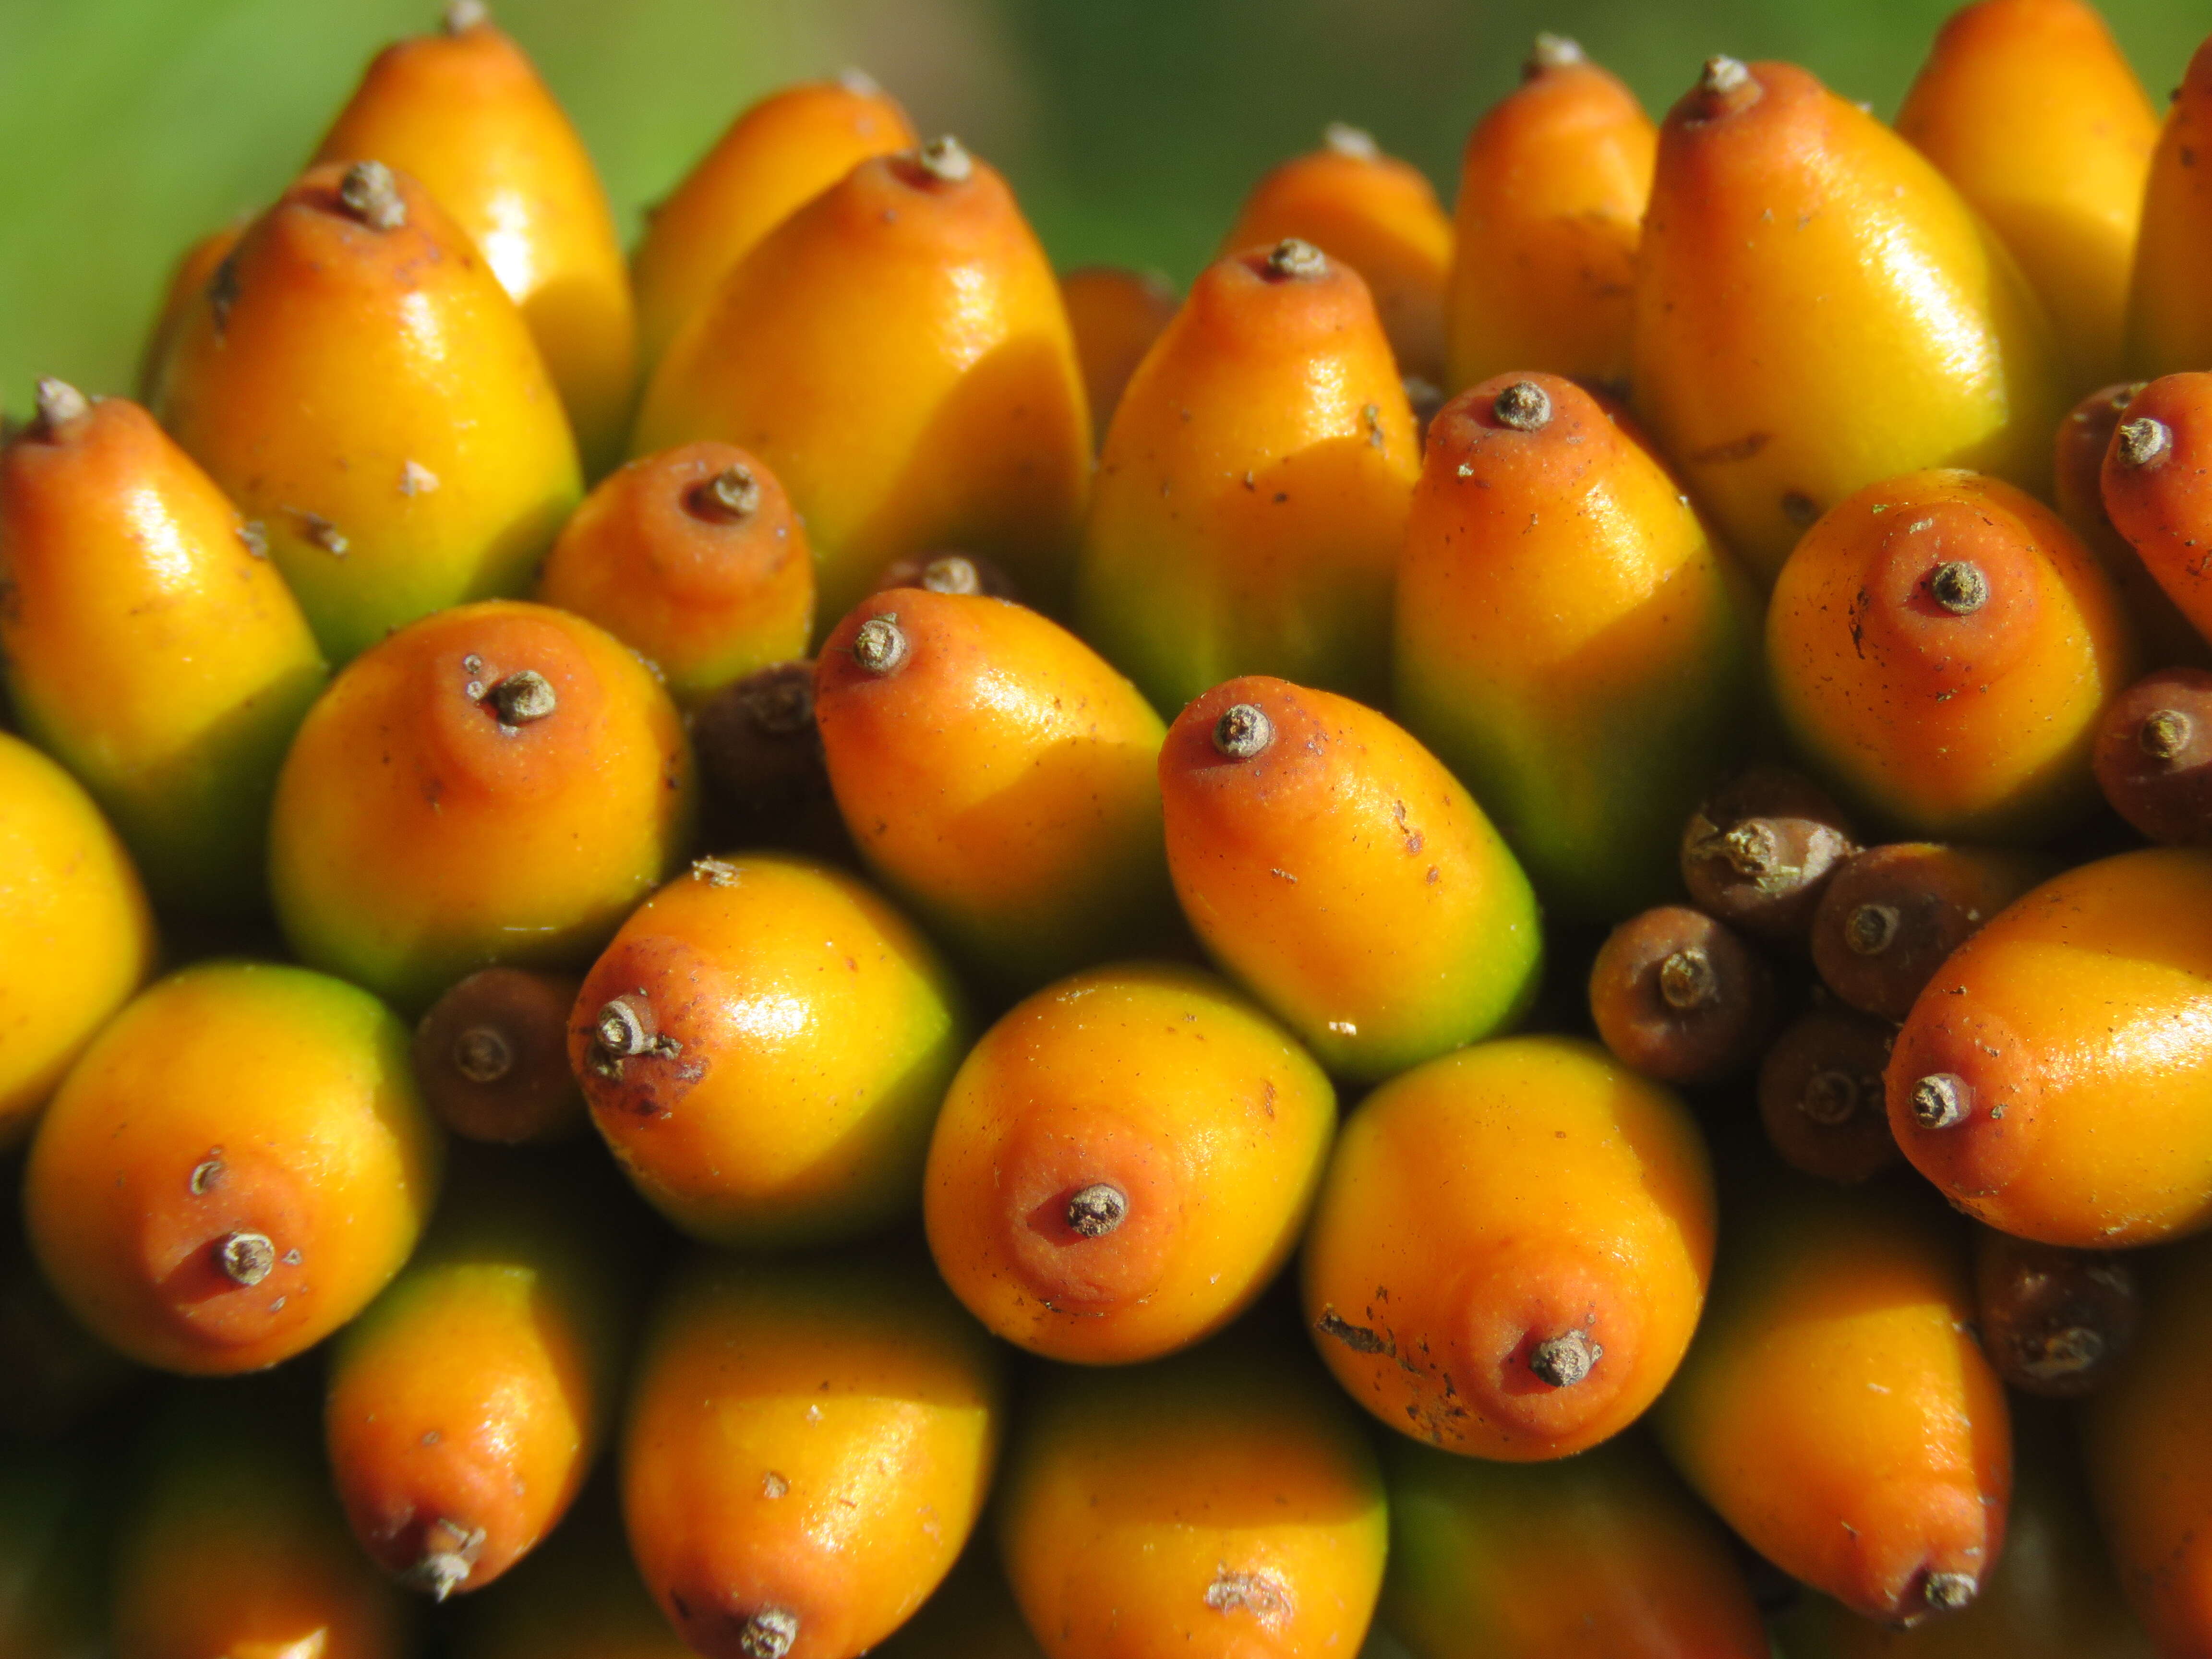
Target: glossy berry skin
1002,779
222,1465
1115,314
2156,489
2053,1595
232,1102
1123,1162
896,353
373,400
1346,879
1834,1408
465,1406
2029,108
77,936
463,112
1816,308
1371,211
2150,1468
2169,315
2066,1043
2077,459
1939,646
1553,186
149,648
1220,1504
1602,1555
774,159
1487,1213
421,834
1252,492
782,1038
708,587
1569,641
808,1444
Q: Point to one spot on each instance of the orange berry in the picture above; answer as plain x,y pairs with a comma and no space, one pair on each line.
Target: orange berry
1551,190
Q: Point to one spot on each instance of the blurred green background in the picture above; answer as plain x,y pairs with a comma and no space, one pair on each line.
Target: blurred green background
1131,127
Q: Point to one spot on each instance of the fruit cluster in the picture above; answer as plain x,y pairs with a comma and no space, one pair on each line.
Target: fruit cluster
815,978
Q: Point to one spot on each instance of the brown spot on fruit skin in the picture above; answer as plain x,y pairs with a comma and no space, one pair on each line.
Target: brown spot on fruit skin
1358,1338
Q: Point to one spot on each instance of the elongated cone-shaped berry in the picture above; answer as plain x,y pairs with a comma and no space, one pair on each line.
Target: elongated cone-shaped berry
1510,1248
1602,1555
2054,1322
2055,1078
2053,1594
1000,777
1117,315
463,112
1893,915
491,1058
1252,493
1551,191
1371,211
1569,641
774,159
2150,1459
149,646
2157,484
2030,109
468,1403
1939,647
1816,308
1821,1097
1332,866
808,1446
1760,850
1834,1408
2154,756
897,352
357,381
77,936
764,1046
500,783
1220,1504
2169,312
2077,490
576,1597
232,1543
186,292
236,1166
1123,1163
694,559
